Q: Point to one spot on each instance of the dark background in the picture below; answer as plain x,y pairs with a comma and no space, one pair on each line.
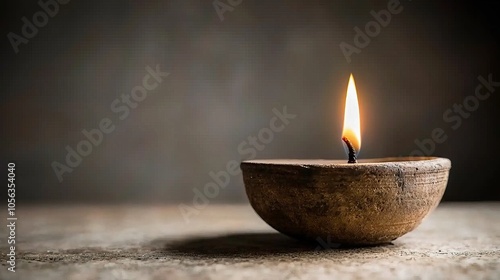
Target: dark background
225,79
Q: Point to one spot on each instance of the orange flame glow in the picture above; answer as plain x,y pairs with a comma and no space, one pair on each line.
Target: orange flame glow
352,130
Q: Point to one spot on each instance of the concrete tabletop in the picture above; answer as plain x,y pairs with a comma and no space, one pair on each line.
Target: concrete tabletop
457,241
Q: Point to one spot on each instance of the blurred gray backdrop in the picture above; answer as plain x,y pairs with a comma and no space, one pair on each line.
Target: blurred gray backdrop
226,76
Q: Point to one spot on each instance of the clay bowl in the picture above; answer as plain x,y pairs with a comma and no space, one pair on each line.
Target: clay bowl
367,203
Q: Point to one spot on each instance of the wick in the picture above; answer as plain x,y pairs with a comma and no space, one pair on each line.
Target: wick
352,152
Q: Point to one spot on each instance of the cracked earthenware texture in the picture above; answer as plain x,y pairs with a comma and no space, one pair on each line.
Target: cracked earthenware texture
370,202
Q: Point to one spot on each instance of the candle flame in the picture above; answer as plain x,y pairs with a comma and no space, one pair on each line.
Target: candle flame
352,129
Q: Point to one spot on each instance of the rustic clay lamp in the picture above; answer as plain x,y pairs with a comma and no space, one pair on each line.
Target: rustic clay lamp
363,202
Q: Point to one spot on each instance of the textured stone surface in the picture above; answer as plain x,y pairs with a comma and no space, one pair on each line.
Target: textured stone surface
457,241
370,202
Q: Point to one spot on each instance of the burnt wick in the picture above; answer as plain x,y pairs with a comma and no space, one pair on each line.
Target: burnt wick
352,152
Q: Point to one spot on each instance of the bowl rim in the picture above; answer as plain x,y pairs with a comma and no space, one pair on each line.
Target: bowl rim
426,163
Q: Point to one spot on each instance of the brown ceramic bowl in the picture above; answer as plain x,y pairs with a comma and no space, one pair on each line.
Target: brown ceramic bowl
369,202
